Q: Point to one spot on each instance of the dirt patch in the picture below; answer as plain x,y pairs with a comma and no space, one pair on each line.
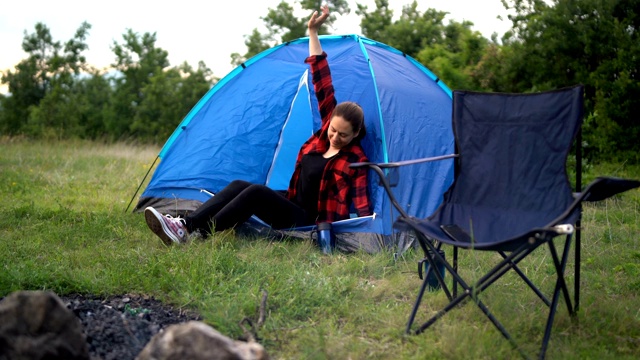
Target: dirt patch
119,327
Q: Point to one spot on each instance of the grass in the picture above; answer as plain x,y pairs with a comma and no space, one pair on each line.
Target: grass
63,227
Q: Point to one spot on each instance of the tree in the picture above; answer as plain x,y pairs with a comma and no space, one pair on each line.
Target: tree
25,92
169,96
617,81
489,73
150,98
92,96
282,26
137,61
451,51
55,94
456,57
49,70
256,43
374,24
415,31
592,42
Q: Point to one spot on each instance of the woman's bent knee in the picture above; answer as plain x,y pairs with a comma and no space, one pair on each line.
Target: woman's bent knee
240,183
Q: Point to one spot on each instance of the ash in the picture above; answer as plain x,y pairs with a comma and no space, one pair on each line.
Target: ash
119,327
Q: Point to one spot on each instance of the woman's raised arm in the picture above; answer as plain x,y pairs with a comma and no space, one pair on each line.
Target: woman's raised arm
314,24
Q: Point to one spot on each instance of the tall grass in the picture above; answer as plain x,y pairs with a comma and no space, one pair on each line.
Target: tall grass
63,227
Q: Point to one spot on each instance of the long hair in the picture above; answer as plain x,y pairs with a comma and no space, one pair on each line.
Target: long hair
354,115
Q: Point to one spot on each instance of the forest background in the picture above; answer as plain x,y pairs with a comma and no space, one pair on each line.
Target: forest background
55,94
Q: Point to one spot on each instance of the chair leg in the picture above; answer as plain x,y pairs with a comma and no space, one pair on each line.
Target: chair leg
441,313
432,268
455,267
527,281
472,293
414,311
433,247
500,328
509,261
481,285
576,284
466,295
547,330
561,286
560,270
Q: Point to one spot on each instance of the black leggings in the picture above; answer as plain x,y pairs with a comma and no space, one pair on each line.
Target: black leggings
238,201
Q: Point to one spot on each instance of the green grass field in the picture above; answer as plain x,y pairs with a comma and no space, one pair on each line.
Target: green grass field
63,227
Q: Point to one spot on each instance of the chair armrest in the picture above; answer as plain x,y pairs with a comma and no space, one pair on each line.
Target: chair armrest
403,163
377,167
599,189
606,187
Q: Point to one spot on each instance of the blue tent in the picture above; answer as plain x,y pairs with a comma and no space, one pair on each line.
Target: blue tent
251,124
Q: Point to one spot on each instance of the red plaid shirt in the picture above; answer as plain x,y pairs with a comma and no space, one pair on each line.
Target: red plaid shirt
340,185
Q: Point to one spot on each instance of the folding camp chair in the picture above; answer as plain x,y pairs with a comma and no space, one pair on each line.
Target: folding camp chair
510,195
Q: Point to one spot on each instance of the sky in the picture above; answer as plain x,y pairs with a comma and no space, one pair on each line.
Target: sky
191,30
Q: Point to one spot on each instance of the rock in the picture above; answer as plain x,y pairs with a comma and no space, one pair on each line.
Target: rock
196,340
37,325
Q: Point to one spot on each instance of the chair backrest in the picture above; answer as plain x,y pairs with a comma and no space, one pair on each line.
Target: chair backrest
511,171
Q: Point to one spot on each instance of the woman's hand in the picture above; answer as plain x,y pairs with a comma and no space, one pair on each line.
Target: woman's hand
316,21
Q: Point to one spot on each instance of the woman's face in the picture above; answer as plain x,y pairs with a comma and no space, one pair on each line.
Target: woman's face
340,132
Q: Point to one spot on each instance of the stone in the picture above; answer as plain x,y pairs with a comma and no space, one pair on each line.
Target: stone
37,325
196,340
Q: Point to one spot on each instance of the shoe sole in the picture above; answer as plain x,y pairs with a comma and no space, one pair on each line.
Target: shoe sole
156,224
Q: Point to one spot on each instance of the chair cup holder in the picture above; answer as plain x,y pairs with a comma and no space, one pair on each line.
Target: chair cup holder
432,280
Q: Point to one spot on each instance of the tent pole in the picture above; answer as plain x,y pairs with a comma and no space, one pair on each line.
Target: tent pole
142,182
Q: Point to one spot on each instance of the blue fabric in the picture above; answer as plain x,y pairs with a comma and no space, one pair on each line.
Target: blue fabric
234,131
511,176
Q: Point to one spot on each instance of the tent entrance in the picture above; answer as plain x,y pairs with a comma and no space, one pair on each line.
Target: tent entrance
296,130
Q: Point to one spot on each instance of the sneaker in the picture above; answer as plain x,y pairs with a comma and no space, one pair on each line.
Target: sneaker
171,230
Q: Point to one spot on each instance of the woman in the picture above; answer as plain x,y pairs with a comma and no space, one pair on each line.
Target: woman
322,187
